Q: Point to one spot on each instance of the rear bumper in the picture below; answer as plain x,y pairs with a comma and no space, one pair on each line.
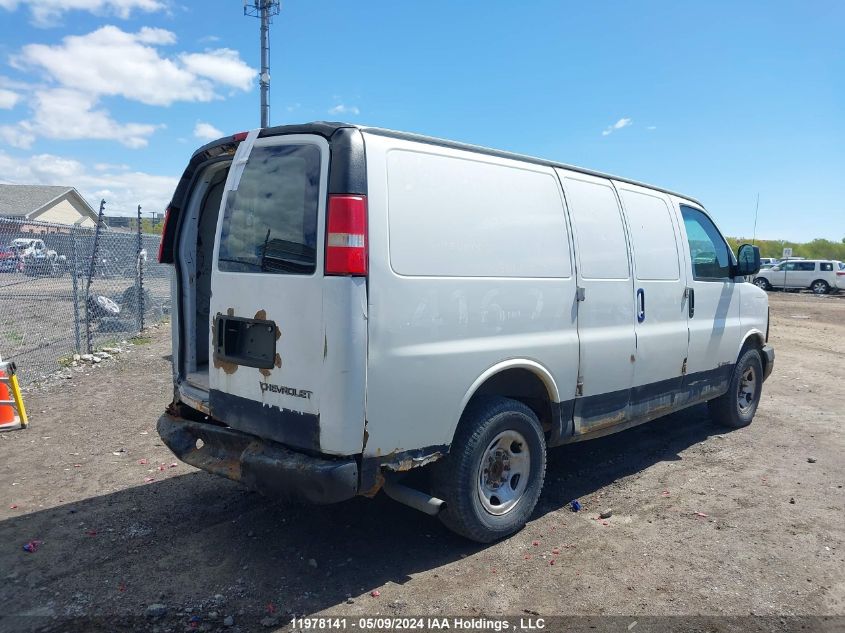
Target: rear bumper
768,360
259,464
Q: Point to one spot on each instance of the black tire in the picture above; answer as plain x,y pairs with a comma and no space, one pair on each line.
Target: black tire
129,303
763,283
820,287
456,479
100,306
726,409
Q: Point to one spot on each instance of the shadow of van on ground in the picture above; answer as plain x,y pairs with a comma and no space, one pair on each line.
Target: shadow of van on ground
183,541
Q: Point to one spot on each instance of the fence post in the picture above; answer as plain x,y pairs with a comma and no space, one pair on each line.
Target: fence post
139,277
94,250
75,273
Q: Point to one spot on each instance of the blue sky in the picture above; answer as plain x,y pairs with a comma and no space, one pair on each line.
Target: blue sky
719,100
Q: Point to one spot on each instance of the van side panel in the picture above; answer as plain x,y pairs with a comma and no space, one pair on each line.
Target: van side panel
470,266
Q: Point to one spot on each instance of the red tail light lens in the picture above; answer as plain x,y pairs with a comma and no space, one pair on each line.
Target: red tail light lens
346,235
163,238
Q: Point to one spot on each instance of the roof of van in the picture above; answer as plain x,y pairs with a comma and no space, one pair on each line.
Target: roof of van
327,128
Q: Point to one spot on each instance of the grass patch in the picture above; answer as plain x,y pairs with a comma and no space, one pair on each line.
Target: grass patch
141,340
13,337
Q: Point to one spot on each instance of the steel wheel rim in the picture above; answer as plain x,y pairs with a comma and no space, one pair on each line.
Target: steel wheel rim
503,472
747,390
818,288
760,284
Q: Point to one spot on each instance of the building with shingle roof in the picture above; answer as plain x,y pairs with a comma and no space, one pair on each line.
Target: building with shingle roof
57,204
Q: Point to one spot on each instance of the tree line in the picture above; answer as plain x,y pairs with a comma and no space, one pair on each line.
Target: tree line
819,248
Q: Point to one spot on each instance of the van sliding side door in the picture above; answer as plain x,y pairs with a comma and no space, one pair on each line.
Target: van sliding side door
605,303
660,301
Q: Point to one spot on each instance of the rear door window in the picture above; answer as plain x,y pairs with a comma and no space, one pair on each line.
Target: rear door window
806,266
270,221
826,266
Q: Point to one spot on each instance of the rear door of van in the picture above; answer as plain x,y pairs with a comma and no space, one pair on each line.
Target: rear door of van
287,363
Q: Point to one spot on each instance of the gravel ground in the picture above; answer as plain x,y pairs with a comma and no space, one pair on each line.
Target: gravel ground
704,522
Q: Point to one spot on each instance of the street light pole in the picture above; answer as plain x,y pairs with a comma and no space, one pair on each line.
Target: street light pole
265,10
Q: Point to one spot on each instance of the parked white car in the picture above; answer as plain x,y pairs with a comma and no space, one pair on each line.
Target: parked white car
819,275
352,303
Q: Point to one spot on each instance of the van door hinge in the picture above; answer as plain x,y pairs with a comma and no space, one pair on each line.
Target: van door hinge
580,293
684,368
579,388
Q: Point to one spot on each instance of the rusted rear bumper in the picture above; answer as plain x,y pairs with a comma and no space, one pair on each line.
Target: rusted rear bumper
259,464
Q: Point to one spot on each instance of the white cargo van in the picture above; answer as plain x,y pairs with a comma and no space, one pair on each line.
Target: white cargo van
354,303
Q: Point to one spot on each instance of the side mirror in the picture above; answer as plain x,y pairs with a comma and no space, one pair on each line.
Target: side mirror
748,260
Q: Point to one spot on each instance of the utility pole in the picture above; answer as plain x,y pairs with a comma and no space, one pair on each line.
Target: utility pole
265,10
756,208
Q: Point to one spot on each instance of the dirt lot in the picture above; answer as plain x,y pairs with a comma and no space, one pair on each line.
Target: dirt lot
119,535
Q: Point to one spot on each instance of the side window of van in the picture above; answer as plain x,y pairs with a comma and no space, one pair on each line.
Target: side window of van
807,267
826,266
711,259
270,221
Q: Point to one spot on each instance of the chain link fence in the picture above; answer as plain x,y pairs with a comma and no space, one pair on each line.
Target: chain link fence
68,290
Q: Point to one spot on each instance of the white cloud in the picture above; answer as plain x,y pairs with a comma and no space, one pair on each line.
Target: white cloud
47,13
344,109
125,188
67,114
110,62
16,136
206,131
8,99
222,65
651,127
113,62
616,126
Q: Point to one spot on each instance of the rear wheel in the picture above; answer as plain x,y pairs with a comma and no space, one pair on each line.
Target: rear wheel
492,478
737,407
760,282
820,287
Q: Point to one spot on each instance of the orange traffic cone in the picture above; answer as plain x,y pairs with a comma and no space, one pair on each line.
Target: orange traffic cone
7,411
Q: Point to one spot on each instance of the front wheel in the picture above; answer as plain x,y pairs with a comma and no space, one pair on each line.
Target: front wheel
492,478
736,408
820,287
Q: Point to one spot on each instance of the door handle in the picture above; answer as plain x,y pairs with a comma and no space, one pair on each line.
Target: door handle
691,299
640,305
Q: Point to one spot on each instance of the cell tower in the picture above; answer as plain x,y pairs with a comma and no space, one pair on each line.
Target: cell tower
265,10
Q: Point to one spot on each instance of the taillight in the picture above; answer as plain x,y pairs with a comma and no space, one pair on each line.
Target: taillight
240,136
163,238
346,235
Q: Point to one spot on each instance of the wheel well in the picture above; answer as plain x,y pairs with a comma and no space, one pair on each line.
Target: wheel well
523,385
754,341
824,281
